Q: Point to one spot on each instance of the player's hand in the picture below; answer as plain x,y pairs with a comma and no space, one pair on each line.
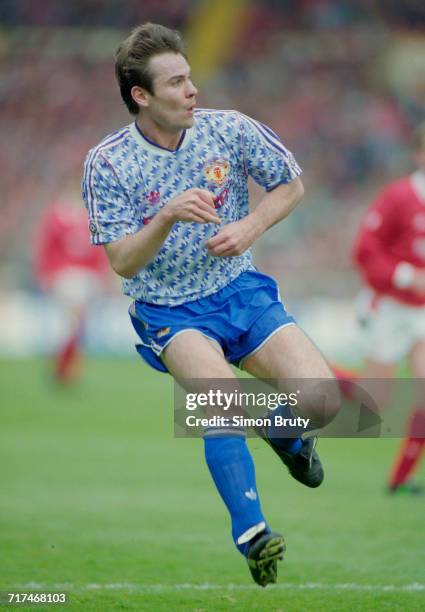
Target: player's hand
233,239
192,206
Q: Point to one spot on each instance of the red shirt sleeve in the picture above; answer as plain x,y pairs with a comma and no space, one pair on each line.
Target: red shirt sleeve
62,241
44,246
372,248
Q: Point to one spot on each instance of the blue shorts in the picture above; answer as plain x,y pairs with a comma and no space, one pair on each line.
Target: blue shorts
241,317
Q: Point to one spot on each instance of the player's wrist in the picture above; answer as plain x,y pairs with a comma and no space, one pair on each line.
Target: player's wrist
257,224
166,217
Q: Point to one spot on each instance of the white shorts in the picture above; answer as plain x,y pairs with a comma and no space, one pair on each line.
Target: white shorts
389,328
76,286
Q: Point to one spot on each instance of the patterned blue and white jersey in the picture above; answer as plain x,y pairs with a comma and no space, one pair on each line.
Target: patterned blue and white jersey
128,179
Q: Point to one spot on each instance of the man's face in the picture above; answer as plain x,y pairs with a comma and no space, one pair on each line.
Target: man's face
173,100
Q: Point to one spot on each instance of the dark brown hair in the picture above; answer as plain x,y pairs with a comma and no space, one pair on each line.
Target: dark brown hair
133,55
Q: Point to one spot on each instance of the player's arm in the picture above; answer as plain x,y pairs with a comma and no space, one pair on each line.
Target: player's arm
113,217
131,253
44,246
372,251
235,238
272,166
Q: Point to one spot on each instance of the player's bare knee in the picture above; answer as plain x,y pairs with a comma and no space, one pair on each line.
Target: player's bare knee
320,401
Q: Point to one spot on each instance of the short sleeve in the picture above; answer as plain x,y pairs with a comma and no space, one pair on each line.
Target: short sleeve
267,161
111,215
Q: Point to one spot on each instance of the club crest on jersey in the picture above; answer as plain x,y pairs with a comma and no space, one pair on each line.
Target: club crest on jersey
217,171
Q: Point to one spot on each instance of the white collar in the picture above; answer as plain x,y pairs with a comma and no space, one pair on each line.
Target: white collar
153,148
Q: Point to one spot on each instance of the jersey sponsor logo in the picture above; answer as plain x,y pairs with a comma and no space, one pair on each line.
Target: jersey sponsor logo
221,198
217,171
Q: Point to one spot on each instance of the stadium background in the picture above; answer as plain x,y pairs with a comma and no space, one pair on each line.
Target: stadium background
343,84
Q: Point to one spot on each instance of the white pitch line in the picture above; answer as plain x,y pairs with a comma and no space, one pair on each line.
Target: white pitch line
162,588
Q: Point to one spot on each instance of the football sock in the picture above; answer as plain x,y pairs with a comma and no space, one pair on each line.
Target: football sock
291,445
232,469
67,357
411,450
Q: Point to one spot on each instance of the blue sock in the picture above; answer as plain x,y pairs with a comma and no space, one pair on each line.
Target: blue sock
233,472
276,432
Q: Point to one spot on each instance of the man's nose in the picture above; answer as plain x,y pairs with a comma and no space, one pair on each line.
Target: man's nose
191,90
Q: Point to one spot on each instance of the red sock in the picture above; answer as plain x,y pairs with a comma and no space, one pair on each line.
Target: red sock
67,358
345,378
411,450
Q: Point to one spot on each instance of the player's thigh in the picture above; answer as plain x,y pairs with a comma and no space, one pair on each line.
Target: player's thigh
289,353
288,356
192,355
198,365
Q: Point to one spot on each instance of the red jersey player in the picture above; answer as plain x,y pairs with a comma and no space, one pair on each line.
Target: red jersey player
71,270
390,255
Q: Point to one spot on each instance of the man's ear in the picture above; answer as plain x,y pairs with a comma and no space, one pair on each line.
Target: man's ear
140,96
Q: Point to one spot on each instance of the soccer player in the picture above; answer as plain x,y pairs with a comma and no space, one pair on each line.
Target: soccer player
390,254
167,197
71,271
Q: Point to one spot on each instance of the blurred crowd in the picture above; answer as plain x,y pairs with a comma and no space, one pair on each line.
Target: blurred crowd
93,13
278,14
343,84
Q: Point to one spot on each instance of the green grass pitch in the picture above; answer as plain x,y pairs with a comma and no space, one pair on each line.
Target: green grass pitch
98,499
